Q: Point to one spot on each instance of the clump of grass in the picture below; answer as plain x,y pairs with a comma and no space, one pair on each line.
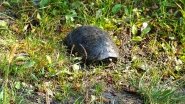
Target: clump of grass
154,89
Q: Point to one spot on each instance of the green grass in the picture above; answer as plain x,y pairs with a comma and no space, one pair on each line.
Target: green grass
35,60
155,90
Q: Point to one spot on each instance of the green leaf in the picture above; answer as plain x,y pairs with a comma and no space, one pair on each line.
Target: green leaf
98,13
48,58
137,39
3,23
134,29
17,85
69,17
76,67
29,64
183,13
77,4
116,8
1,94
52,71
6,4
34,77
38,16
145,31
44,2
165,95
127,10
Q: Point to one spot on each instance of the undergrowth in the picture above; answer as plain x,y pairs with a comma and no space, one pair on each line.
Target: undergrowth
36,63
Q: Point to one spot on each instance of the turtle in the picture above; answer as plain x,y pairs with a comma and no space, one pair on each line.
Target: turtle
92,44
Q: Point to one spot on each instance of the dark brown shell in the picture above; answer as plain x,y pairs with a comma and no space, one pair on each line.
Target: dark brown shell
92,43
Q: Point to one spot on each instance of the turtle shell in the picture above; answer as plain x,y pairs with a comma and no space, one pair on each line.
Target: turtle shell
92,44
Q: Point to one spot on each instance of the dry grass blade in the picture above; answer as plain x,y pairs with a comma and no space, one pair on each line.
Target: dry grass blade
47,97
46,93
12,53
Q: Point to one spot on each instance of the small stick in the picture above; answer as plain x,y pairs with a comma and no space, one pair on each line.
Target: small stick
84,52
72,50
86,93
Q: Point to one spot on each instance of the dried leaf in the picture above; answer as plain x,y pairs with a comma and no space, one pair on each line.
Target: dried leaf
2,8
155,6
25,27
103,99
15,27
77,86
144,26
93,98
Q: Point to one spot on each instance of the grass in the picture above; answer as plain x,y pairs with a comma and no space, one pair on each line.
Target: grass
155,90
36,66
